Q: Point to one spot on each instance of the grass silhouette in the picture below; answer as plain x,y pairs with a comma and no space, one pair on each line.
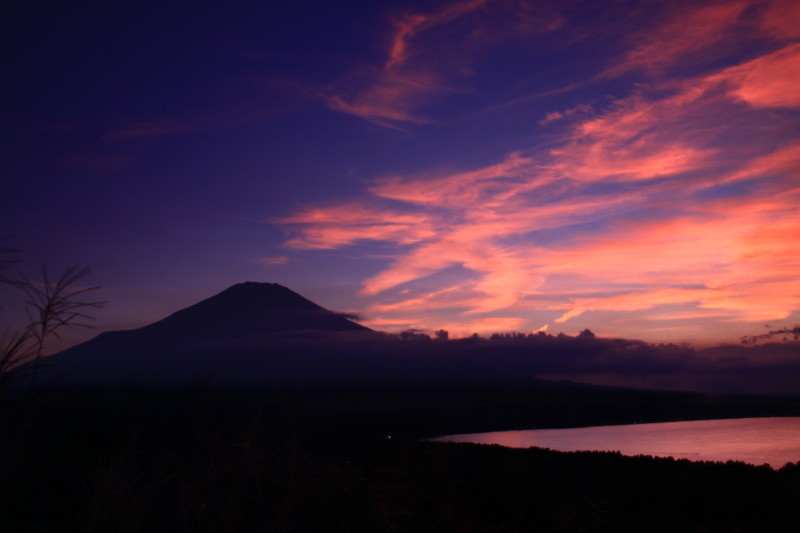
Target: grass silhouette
51,304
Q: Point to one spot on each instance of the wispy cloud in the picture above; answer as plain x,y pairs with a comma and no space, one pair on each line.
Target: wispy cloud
335,226
680,194
689,34
407,26
428,55
768,81
274,260
392,93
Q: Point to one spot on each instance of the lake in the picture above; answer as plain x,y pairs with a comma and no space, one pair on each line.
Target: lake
774,441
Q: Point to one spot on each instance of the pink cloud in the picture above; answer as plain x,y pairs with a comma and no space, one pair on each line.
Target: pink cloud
483,326
701,33
742,261
630,302
392,94
332,227
453,189
579,110
436,299
276,260
430,55
406,27
784,161
623,215
769,81
390,98
459,329
782,19
687,34
707,249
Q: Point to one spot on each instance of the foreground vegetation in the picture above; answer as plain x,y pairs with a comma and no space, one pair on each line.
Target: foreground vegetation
201,460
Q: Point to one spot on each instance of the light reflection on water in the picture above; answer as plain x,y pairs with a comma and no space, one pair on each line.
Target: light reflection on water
775,441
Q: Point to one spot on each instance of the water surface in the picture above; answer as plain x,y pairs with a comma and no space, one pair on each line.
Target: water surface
774,441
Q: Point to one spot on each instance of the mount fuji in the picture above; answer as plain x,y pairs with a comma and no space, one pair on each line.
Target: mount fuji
248,331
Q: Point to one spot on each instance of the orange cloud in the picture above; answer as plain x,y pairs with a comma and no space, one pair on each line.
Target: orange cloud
459,329
328,228
453,189
661,199
769,81
742,261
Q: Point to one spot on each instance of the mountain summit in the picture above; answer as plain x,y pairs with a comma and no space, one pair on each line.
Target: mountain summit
243,310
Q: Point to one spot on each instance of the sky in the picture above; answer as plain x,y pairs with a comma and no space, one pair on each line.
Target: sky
632,167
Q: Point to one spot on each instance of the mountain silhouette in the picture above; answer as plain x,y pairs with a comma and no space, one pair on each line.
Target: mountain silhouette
243,310
219,335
